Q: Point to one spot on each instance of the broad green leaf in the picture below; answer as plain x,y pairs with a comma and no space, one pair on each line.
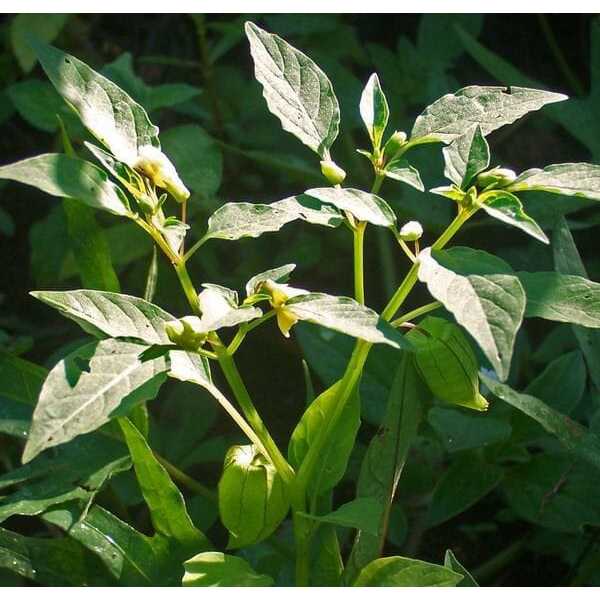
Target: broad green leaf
569,179
397,571
67,177
451,562
459,430
88,387
568,262
506,207
361,513
334,459
487,106
464,483
565,298
362,205
51,562
573,436
109,314
489,306
296,90
196,156
466,157
43,26
110,114
401,170
215,569
553,491
20,380
346,316
311,210
374,110
385,458
167,507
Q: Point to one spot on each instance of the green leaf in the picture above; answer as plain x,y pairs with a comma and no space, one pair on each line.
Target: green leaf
459,430
215,569
44,27
374,110
334,459
401,170
362,205
451,562
466,157
167,507
346,316
110,114
20,380
278,275
506,207
397,571
361,513
384,461
50,562
106,314
489,306
88,387
67,177
184,144
573,436
463,484
564,298
311,210
570,179
296,90
487,106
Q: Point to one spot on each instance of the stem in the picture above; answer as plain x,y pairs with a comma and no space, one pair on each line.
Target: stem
499,561
193,249
243,397
406,249
417,312
359,271
245,329
186,480
188,287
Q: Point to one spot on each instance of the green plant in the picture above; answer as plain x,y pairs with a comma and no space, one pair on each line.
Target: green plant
101,389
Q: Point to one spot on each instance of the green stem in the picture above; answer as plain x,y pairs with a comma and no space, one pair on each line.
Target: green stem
193,248
247,328
188,287
488,569
359,271
417,312
186,480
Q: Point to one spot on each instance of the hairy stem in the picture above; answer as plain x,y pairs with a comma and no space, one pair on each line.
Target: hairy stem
359,270
417,312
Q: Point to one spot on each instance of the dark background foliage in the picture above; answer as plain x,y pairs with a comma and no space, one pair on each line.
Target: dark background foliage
236,151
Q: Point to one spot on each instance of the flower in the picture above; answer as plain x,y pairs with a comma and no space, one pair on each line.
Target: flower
155,165
280,293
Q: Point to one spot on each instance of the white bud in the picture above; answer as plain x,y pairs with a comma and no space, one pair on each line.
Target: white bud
411,231
155,165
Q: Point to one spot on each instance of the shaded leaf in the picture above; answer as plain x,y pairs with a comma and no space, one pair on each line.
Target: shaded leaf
210,569
451,562
361,513
397,571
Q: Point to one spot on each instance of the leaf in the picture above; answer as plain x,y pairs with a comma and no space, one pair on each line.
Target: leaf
487,106
397,571
88,387
573,436
385,458
296,90
362,205
570,179
278,275
346,316
459,430
489,306
184,145
167,507
361,513
20,380
334,458
311,210
51,562
463,484
506,207
110,114
451,562
401,170
109,314
215,569
66,177
564,298
374,110
44,27
466,157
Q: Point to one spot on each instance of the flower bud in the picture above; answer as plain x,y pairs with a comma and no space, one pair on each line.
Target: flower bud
280,293
498,177
334,174
396,141
187,332
411,231
253,498
155,165
447,363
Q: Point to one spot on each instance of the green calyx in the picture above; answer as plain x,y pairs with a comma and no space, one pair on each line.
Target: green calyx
187,332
